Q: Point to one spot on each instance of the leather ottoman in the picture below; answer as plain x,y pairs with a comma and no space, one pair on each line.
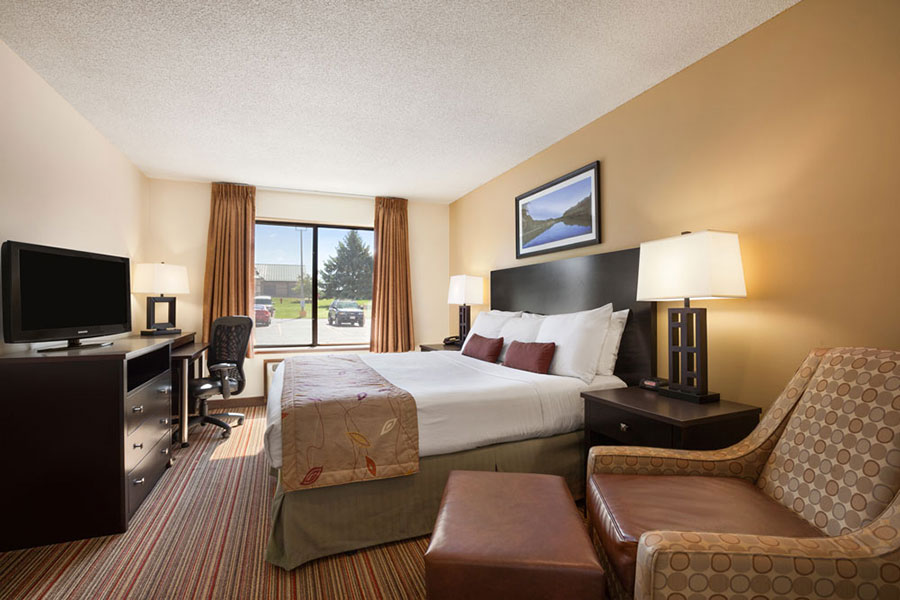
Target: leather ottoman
510,535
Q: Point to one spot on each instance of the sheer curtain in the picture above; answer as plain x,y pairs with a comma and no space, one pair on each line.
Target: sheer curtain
228,285
392,320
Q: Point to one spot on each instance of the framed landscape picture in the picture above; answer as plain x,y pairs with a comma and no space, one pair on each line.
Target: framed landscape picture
561,214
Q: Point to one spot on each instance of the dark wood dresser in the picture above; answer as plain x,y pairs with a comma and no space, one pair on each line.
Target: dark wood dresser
86,435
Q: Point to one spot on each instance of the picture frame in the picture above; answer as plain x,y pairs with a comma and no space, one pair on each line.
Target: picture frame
561,214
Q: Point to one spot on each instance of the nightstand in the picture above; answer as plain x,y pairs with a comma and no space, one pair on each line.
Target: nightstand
637,417
436,347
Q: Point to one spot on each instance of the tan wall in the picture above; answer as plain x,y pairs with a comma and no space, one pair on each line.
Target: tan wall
177,233
790,136
61,182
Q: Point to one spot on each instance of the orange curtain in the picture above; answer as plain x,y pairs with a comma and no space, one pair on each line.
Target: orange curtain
392,321
228,286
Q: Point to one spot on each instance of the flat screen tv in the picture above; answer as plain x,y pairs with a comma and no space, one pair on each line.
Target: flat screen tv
60,294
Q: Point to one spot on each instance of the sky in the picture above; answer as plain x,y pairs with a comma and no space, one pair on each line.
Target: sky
555,203
280,244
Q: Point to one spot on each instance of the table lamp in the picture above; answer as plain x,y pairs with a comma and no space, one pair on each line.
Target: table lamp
701,265
160,278
465,290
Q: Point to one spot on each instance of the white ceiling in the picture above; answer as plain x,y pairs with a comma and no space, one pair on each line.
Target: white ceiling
425,99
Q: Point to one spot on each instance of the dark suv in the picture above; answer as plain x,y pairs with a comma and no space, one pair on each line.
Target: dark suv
346,311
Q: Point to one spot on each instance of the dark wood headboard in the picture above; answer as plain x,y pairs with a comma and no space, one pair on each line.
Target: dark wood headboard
582,283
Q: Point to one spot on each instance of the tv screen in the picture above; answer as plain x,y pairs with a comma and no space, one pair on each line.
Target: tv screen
57,294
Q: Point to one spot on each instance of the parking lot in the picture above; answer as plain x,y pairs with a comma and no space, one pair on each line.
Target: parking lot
299,331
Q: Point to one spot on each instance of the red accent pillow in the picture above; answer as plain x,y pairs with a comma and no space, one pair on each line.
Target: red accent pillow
533,357
482,348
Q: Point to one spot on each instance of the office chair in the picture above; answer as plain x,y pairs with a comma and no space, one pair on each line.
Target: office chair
225,361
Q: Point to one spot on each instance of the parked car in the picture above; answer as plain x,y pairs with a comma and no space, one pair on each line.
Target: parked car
263,316
267,302
346,311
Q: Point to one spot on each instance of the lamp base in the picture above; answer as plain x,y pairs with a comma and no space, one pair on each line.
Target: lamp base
160,331
689,396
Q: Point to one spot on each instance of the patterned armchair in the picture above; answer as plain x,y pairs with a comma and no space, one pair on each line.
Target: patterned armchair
807,506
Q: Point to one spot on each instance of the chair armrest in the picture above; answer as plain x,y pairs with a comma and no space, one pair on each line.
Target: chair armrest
861,564
744,459
222,369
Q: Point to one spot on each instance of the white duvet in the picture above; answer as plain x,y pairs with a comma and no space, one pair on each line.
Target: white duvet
465,403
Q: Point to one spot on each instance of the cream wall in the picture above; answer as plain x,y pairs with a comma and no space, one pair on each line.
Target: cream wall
177,233
61,182
790,136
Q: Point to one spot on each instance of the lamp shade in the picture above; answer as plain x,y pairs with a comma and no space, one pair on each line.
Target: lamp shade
466,289
706,264
160,278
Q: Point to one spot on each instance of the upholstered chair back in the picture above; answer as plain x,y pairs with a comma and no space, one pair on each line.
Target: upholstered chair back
837,463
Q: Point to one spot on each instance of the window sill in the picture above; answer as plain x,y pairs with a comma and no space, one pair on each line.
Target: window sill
312,349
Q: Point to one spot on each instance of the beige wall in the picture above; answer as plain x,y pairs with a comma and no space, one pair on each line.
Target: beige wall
790,136
177,233
61,182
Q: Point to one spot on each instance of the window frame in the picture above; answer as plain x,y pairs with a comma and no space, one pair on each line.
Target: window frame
315,282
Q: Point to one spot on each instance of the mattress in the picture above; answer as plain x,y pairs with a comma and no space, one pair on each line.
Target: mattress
464,403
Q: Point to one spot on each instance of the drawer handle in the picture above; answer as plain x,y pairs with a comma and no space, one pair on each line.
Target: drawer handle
623,427
164,421
138,408
136,446
164,451
138,481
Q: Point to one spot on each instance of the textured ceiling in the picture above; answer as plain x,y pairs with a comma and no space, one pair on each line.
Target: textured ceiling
423,99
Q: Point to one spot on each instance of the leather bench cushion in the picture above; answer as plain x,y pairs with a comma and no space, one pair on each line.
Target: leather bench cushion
510,535
622,507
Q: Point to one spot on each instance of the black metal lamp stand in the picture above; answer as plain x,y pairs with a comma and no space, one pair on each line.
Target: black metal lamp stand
166,327
688,355
465,320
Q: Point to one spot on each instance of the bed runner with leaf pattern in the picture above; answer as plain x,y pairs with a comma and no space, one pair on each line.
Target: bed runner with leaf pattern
342,422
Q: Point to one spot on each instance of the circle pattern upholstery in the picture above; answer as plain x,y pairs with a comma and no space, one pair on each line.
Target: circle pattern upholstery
834,460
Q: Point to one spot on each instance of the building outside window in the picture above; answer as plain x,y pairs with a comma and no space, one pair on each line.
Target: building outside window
313,284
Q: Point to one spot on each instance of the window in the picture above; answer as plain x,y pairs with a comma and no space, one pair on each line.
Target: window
313,284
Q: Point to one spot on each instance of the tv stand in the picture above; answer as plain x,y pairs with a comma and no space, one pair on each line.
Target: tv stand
88,433
75,344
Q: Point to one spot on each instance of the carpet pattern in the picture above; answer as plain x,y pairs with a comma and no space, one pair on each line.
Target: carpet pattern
201,533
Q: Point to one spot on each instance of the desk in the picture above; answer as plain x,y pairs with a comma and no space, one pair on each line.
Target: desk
184,363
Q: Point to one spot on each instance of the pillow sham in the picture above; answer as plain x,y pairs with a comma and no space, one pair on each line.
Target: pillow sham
579,338
534,357
488,324
610,351
518,330
482,348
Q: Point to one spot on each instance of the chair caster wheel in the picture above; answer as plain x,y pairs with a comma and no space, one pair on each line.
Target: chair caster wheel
226,434
240,421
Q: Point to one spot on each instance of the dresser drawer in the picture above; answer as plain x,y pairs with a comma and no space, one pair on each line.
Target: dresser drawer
628,428
151,401
144,476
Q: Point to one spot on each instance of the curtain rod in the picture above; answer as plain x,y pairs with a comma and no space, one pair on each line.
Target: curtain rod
294,191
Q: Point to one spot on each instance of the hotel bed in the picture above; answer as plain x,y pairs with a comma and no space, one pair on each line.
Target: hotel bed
471,415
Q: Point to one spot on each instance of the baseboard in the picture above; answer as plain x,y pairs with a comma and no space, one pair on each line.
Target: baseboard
237,402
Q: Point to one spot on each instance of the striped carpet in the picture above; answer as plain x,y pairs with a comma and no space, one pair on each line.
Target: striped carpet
202,534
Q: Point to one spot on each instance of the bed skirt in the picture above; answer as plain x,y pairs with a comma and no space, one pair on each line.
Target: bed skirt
310,524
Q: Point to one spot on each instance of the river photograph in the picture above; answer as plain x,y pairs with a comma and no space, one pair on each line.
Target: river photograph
559,215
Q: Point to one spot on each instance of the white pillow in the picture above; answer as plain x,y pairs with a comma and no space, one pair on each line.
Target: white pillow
610,350
519,330
578,338
488,324
508,313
